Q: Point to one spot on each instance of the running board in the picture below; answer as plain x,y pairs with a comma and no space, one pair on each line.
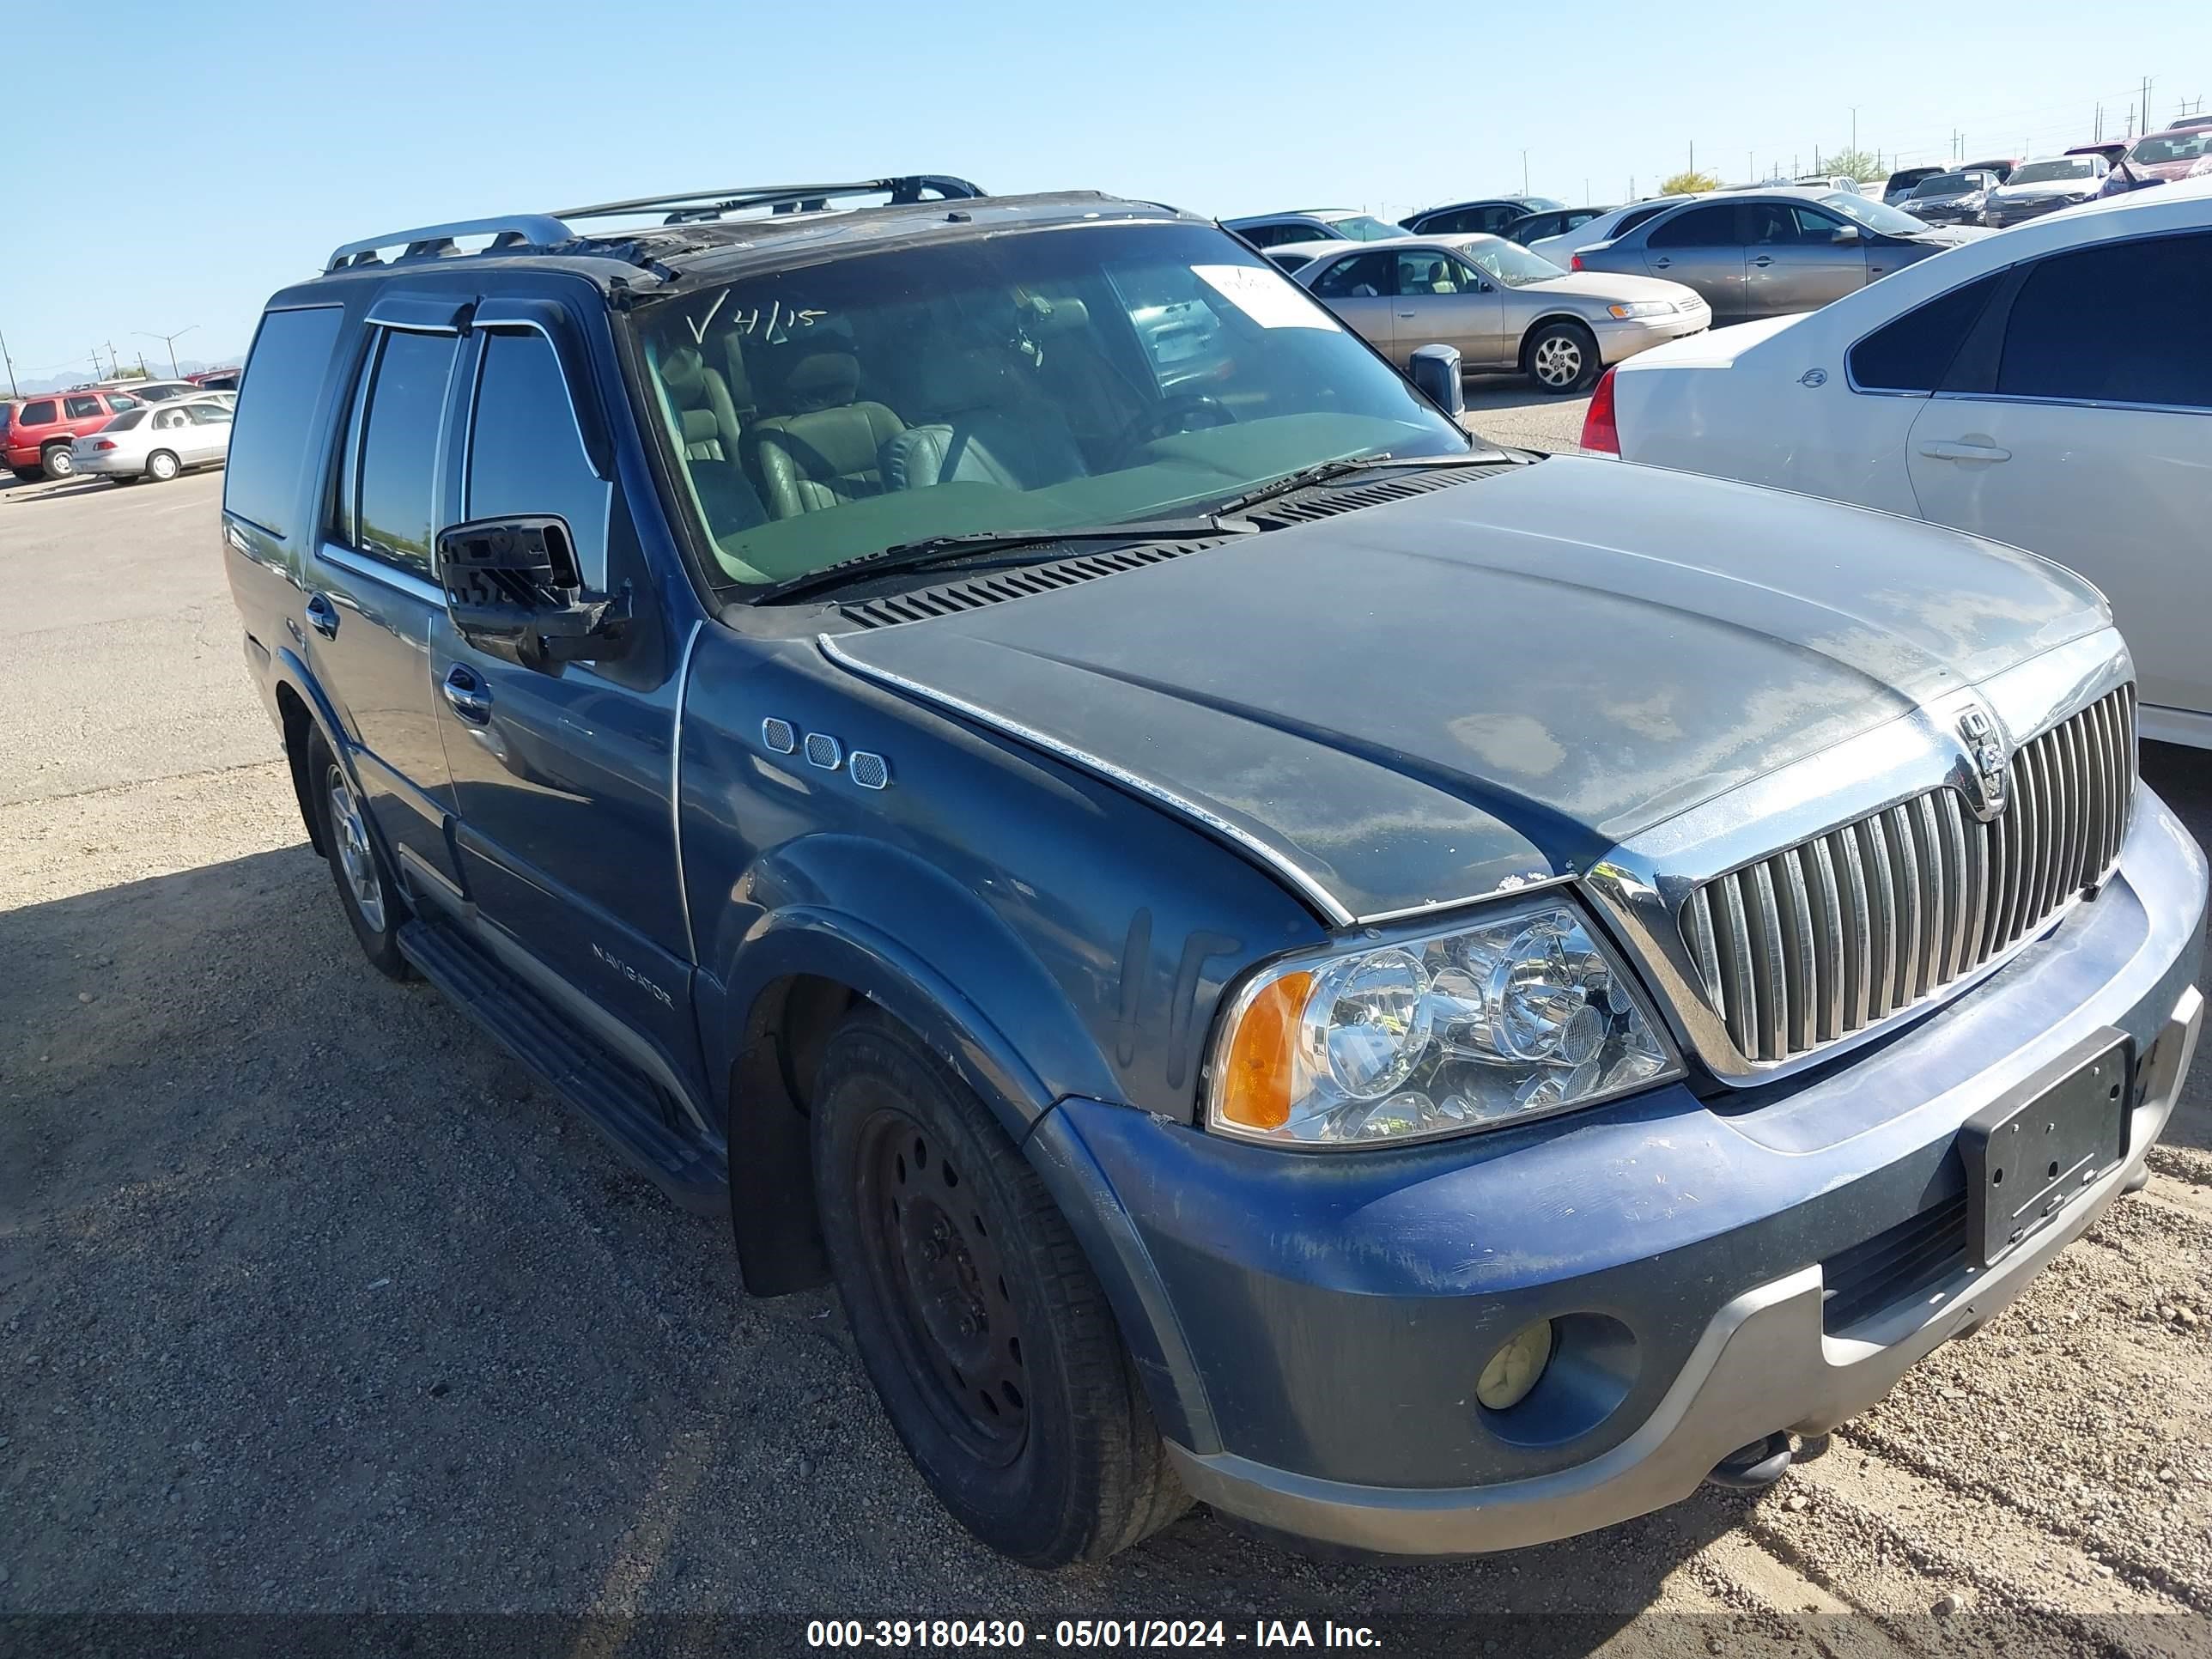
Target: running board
626,1105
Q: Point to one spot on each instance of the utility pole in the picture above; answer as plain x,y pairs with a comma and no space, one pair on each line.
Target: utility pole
2098,136
10,361
1855,129
1693,155
1524,172
169,340
2146,102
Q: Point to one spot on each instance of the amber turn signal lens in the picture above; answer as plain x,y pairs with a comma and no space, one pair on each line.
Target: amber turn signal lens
1255,1085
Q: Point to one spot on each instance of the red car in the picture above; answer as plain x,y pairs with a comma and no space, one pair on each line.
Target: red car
2161,158
214,379
38,430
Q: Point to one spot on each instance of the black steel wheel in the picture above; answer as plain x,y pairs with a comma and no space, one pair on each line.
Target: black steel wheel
935,1264
988,1338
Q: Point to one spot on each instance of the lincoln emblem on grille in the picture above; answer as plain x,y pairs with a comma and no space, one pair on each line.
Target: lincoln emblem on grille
1991,770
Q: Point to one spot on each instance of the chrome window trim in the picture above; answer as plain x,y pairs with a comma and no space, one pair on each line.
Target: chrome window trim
376,570
2071,402
1638,888
1296,879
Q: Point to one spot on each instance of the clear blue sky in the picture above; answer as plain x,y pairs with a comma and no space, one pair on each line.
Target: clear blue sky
268,133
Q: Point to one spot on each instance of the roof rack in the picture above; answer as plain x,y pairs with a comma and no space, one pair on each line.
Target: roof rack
513,230
541,232
701,205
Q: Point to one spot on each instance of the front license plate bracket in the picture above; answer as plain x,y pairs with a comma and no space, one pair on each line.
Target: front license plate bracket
2034,1151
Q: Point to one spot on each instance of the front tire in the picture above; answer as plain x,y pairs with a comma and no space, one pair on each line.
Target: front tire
1562,358
57,462
366,890
989,1340
161,466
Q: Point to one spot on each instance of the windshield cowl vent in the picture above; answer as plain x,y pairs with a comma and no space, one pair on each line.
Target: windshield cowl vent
1328,500
973,592
948,598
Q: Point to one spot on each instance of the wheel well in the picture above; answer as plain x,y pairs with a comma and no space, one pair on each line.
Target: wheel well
298,725
772,1212
1537,327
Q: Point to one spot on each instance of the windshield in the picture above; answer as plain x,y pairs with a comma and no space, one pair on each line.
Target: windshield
1030,382
2043,172
1944,184
1865,211
2170,147
1539,204
1509,263
1361,227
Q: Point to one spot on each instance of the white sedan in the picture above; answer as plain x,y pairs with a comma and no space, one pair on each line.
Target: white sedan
159,440
2049,386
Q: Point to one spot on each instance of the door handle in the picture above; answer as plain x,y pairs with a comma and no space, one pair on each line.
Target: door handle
1764,260
1950,452
1409,315
322,616
470,697
1663,261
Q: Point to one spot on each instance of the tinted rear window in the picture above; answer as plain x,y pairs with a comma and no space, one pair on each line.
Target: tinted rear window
1706,227
124,422
40,413
1912,353
276,416
2097,325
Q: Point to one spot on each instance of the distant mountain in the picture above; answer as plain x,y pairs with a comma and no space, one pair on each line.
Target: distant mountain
31,386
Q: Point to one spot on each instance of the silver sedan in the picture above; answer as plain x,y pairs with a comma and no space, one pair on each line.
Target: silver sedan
1504,307
1773,252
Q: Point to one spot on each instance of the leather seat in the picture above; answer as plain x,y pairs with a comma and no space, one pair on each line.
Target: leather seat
1096,400
709,433
830,449
993,430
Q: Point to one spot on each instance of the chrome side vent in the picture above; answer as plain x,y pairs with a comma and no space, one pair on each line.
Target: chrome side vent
1843,930
779,736
867,770
824,752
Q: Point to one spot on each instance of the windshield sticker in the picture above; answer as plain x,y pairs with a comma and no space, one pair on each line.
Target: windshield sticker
1267,299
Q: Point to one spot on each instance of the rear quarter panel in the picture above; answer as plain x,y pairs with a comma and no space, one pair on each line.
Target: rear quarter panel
1756,420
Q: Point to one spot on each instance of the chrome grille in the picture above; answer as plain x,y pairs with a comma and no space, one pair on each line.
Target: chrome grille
1838,932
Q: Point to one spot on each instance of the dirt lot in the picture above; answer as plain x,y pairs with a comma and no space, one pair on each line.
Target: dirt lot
309,1303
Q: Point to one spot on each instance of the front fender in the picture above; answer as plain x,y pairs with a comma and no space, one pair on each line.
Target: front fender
928,952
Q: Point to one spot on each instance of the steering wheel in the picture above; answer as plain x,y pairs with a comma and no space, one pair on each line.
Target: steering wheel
1172,415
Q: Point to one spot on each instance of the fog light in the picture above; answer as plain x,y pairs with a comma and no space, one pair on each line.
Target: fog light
1514,1368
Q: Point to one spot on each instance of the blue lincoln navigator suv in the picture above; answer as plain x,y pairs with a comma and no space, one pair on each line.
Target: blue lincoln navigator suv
1428,997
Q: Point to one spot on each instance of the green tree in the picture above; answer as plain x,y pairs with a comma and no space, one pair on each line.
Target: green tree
1688,184
1863,165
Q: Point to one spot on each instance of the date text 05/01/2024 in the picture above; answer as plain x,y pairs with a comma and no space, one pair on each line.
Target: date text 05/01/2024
989,1634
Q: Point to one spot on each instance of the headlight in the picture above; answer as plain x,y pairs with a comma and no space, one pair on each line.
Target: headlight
1642,308
1519,1014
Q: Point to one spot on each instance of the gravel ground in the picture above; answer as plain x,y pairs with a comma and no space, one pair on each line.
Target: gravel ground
310,1303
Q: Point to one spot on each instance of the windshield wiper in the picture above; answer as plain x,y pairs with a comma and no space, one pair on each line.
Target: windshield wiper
932,549
1321,471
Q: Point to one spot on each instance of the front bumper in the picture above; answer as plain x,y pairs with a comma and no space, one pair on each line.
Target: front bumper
1620,338
1312,1326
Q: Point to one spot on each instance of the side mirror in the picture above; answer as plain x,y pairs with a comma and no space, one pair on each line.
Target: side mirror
515,591
1435,374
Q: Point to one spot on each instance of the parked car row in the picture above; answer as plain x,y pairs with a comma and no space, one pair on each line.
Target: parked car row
2048,387
154,430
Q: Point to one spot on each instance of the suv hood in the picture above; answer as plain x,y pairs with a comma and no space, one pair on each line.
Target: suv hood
1432,699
